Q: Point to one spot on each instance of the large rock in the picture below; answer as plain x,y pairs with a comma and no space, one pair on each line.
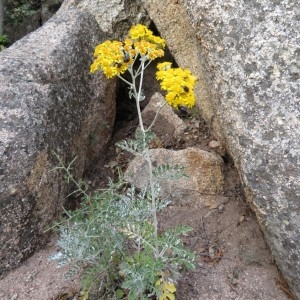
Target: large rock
48,102
115,17
49,8
205,182
167,126
246,56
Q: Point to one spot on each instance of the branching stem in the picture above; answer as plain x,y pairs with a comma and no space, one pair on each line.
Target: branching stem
137,93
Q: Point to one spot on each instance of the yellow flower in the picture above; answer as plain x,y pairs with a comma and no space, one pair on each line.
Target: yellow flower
179,84
141,47
139,32
158,41
164,66
115,57
145,43
152,54
128,42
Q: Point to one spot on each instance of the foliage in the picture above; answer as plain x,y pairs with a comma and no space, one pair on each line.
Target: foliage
3,41
113,236
16,10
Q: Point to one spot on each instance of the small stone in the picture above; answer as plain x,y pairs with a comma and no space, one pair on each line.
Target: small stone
214,144
221,208
285,222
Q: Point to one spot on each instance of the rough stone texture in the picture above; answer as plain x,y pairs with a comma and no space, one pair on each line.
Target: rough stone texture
168,126
49,8
115,17
246,56
48,102
203,187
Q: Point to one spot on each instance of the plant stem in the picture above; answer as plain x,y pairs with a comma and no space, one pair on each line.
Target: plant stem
156,116
146,150
70,176
138,99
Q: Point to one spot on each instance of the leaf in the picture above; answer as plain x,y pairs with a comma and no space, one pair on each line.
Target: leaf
166,171
84,296
169,286
119,293
130,146
167,296
158,282
131,296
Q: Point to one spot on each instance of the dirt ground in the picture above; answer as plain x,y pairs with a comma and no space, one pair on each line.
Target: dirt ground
233,260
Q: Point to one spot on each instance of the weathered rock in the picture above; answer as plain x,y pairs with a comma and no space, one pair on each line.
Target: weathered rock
216,146
115,17
205,182
49,8
246,56
48,102
168,126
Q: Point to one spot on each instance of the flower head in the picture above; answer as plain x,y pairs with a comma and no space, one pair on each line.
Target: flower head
179,84
113,57
145,43
141,32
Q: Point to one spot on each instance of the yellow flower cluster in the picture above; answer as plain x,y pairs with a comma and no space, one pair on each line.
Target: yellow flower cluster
112,58
179,84
146,43
115,57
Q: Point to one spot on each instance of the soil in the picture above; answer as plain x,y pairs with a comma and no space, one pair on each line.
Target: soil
233,260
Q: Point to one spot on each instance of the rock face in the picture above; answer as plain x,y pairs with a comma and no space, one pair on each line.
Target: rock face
48,102
168,126
246,56
205,182
115,17
49,8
